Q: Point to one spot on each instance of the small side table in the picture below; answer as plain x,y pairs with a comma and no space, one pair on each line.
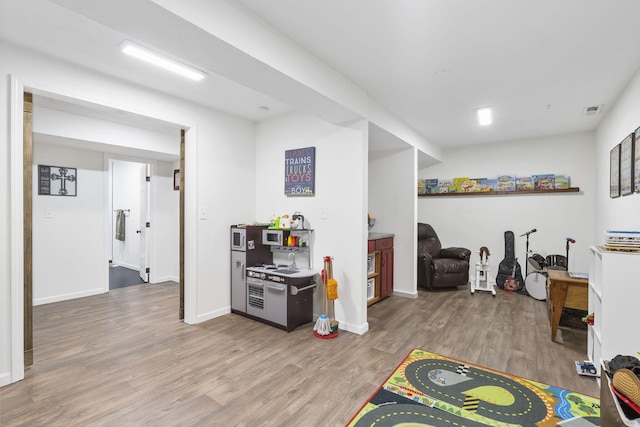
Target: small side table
566,291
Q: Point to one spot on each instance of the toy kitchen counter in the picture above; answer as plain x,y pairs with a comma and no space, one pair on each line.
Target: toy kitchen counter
280,297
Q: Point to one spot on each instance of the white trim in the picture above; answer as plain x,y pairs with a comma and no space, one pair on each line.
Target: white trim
163,279
356,329
65,297
17,230
405,294
125,265
108,219
5,379
213,314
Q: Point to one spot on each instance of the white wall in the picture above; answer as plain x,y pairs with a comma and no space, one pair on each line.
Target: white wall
475,221
68,248
84,130
392,202
340,179
165,206
220,149
623,118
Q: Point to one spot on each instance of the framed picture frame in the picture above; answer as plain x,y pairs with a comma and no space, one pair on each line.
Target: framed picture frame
57,181
614,172
636,161
626,166
176,179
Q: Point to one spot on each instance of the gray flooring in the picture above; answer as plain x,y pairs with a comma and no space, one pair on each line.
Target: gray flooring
121,277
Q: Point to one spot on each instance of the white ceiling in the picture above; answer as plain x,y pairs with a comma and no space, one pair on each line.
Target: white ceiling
538,63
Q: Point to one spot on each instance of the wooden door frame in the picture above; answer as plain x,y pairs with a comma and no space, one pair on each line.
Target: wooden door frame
17,224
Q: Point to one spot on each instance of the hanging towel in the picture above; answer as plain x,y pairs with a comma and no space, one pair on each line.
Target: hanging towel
120,218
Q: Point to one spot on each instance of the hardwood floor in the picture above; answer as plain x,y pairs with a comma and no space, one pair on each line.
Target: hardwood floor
124,359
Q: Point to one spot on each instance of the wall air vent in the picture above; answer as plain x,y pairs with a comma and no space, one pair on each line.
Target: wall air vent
592,110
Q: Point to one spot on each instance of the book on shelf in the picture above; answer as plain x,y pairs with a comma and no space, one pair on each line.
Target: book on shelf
506,183
561,182
445,186
544,182
457,184
524,183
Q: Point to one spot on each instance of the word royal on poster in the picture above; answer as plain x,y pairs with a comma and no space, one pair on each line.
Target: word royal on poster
300,171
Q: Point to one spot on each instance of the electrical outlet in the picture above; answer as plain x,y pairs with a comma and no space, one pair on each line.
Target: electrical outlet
49,213
324,213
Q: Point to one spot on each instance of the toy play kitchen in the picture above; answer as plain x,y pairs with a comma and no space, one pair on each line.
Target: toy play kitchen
272,280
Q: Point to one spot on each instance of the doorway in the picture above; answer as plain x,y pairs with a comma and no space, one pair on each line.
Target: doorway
21,244
129,202
143,231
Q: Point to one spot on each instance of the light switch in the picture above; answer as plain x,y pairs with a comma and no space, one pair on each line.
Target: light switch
203,213
324,213
48,213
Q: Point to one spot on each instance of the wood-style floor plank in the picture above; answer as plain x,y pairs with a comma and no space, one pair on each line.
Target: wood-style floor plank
124,359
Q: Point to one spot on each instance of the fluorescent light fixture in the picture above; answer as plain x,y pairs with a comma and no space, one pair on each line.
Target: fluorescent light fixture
161,61
484,116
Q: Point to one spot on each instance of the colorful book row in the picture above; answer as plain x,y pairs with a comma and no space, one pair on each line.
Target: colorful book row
501,183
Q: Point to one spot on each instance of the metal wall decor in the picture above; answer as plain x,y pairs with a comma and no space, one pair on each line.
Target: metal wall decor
57,181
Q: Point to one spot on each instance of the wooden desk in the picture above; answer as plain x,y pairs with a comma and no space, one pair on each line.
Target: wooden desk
566,292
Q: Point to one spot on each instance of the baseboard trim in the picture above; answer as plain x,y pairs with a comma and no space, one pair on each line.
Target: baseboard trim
5,379
211,315
348,327
156,280
404,294
356,329
125,265
65,297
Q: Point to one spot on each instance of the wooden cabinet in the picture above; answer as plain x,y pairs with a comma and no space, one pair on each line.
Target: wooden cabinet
613,299
385,246
379,269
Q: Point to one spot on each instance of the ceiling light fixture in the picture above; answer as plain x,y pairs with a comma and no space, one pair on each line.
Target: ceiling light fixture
161,61
484,116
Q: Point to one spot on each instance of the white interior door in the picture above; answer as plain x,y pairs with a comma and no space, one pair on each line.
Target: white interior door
145,204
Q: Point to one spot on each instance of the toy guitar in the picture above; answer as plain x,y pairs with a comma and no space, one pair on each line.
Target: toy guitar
511,285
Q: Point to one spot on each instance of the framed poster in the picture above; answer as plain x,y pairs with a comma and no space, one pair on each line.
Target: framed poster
300,171
176,179
626,166
57,181
614,172
636,162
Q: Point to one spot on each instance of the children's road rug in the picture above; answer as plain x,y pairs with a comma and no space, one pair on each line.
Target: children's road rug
432,390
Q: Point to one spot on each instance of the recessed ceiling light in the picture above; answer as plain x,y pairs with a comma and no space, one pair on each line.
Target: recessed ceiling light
161,61
484,116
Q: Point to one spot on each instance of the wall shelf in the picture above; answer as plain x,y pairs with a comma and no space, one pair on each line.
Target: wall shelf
502,193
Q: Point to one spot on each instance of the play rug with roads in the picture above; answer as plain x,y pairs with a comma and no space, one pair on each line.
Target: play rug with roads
432,390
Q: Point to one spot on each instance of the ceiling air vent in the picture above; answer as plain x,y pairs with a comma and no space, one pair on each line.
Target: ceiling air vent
592,111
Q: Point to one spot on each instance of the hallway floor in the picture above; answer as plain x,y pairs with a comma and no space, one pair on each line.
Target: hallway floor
121,277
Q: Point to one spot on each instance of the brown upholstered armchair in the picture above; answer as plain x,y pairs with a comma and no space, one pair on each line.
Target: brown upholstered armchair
440,267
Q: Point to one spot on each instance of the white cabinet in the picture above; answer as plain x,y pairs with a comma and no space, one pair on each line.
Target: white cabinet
614,299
